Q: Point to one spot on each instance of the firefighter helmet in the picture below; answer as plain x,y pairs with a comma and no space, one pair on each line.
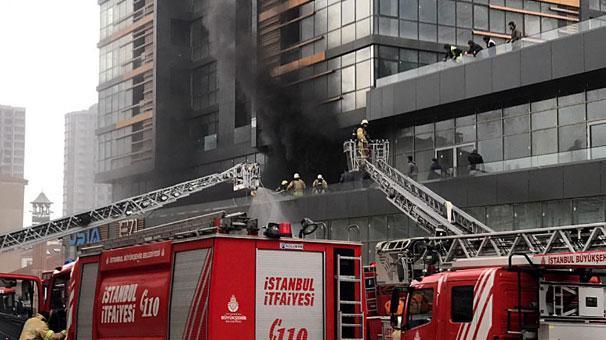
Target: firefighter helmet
320,176
364,122
284,182
296,176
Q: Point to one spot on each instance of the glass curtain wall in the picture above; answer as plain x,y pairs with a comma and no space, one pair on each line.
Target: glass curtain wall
552,131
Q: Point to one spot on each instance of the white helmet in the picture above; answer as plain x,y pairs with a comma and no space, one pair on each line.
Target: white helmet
284,182
297,176
364,121
319,176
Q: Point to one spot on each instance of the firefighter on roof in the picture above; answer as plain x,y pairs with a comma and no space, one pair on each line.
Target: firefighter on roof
297,186
319,185
36,328
362,137
283,186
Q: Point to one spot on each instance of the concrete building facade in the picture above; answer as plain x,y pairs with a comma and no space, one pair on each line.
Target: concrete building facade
80,192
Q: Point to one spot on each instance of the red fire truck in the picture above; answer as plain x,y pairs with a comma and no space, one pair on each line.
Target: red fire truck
219,281
468,281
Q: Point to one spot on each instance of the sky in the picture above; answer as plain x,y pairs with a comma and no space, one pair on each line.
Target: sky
49,65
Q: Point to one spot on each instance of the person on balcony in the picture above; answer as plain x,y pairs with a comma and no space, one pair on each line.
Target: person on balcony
362,137
296,186
453,53
515,32
474,48
489,42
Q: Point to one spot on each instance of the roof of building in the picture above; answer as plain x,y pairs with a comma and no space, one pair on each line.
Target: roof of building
42,199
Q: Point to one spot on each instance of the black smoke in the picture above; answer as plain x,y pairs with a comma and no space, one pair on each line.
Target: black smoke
296,132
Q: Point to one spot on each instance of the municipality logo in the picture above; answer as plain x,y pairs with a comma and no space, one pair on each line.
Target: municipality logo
233,305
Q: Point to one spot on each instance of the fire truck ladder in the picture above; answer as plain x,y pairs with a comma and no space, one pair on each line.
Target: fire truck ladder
243,176
431,212
468,250
350,313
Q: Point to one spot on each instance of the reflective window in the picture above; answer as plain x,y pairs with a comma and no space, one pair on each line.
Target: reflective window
408,29
517,110
408,9
347,11
362,9
598,135
556,213
545,119
465,134
517,146
334,17
388,8
461,308
497,21
596,110
573,137
527,216
424,141
464,14
499,217
420,307
427,32
490,130
388,26
545,142
571,114
444,138
571,99
363,74
480,16
446,12
427,11
516,125
589,210
446,35
491,149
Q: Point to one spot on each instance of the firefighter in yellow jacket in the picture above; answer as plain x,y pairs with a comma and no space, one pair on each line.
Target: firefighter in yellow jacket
297,186
36,328
362,136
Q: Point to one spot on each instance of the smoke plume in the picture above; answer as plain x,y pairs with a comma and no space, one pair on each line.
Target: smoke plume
299,136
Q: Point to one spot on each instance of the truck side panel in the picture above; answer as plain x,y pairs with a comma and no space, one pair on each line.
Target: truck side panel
190,294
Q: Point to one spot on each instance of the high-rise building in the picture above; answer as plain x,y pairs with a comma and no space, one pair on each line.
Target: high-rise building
12,141
190,87
167,109
12,151
80,192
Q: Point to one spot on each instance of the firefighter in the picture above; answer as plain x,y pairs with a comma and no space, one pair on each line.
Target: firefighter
36,328
297,186
319,186
283,186
362,137
453,52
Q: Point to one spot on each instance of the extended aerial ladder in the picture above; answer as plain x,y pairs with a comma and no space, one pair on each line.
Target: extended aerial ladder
243,176
460,240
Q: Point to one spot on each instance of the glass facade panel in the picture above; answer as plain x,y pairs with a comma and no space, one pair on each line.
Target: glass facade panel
500,217
348,13
491,150
556,213
571,114
465,134
517,146
427,11
545,142
490,130
409,9
480,15
596,110
516,125
527,216
408,29
427,32
388,8
446,12
464,15
424,141
388,26
446,35
589,210
545,119
543,105
497,21
444,138
573,137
